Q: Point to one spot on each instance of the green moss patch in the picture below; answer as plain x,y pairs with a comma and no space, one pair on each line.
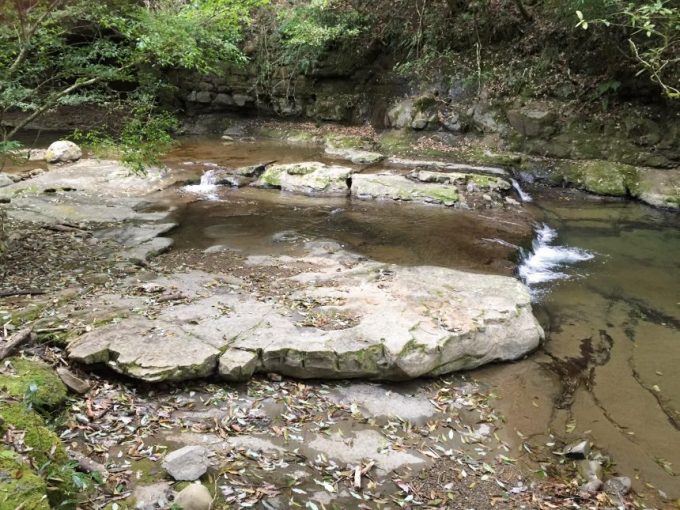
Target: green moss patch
34,381
19,485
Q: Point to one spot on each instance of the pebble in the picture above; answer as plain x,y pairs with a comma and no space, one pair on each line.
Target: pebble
194,497
618,486
72,381
578,449
590,469
188,463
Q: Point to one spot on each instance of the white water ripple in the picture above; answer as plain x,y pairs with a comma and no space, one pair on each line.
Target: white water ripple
206,187
546,262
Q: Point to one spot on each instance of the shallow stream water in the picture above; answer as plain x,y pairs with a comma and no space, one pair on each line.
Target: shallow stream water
605,278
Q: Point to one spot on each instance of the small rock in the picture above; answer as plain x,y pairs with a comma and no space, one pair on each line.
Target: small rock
618,486
37,154
152,497
87,465
227,138
72,381
5,180
590,469
194,497
577,450
151,288
591,487
188,463
63,151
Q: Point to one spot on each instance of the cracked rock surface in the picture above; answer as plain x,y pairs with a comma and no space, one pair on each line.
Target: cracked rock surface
362,319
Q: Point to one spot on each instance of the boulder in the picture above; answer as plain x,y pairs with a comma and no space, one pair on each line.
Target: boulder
373,320
417,113
532,122
194,497
660,188
63,151
187,464
310,178
599,176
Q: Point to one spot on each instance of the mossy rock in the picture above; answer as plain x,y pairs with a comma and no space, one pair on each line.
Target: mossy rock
45,446
20,486
47,452
600,177
35,381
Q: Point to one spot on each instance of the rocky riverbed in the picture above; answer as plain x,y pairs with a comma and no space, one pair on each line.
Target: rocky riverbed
90,280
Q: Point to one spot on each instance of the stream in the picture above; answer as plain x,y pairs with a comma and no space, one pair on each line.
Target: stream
604,275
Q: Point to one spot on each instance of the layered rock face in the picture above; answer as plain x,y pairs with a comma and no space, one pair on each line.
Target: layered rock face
367,319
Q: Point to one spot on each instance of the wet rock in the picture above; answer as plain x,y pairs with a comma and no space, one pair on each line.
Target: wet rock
152,497
188,463
194,497
310,178
63,151
618,486
577,450
287,236
72,381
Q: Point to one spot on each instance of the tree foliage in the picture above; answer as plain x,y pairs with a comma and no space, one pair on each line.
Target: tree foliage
113,52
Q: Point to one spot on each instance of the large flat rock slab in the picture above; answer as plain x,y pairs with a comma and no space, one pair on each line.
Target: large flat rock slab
449,188
310,178
342,317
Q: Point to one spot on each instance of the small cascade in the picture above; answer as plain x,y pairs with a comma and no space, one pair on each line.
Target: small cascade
523,195
545,262
207,185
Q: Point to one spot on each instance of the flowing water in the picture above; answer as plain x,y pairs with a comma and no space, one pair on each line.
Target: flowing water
604,275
